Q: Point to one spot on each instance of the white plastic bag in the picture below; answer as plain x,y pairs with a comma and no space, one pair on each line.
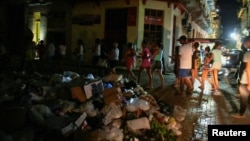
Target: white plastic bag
137,124
197,84
135,103
179,113
111,111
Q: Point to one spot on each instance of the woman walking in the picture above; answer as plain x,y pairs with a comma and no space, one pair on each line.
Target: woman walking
130,60
216,57
157,63
146,63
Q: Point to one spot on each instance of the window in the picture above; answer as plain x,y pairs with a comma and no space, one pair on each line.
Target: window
153,30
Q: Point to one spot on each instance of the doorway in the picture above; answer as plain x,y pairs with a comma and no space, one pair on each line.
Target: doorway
116,27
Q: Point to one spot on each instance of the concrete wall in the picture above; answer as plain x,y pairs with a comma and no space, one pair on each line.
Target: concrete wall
134,33
89,33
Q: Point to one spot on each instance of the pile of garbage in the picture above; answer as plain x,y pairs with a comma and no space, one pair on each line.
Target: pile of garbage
74,107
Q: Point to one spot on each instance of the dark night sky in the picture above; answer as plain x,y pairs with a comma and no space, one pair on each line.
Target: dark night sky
228,13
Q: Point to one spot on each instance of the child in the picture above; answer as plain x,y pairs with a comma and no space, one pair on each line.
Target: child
130,60
206,66
146,63
195,62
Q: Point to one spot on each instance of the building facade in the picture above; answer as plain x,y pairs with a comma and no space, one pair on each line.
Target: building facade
122,21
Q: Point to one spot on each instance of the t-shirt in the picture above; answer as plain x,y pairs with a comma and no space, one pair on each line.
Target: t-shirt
217,55
244,79
158,57
186,51
146,57
98,50
114,54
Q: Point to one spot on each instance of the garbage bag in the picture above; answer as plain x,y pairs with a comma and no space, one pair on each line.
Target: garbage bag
135,104
39,113
137,124
55,79
111,134
87,107
70,74
111,111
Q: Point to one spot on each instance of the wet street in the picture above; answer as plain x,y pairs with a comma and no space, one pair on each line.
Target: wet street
202,109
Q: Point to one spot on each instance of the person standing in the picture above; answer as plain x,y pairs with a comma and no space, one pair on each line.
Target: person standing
51,49
185,56
195,62
244,87
79,54
157,63
206,66
97,51
176,60
62,53
114,58
130,54
146,63
216,66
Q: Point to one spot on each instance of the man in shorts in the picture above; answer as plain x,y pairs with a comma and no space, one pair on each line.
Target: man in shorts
244,87
185,57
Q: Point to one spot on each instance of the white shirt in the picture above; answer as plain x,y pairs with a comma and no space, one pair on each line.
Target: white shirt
51,50
98,50
80,50
62,49
186,52
115,54
217,55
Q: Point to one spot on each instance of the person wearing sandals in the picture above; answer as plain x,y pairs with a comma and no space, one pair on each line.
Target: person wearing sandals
216,66
185,56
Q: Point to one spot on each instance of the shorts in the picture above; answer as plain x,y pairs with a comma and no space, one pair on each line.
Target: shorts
216,65
184,72
157,65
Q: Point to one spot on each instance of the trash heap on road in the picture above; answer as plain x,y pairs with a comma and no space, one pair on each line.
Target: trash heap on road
72,107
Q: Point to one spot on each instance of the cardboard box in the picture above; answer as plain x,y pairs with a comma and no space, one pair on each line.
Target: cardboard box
78,93
115,98
88,89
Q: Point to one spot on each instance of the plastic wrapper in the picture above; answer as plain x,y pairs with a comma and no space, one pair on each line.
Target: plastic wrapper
135,104
111,111
111,134
151,100
179,113
87,107
137,124
197,84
